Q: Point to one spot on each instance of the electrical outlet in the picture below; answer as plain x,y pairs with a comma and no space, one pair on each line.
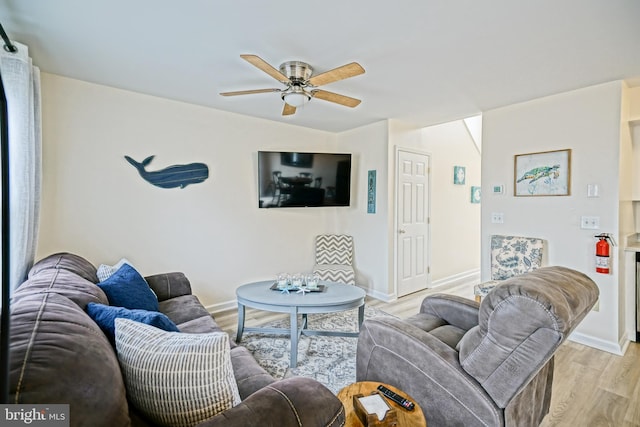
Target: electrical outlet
590,222
497,217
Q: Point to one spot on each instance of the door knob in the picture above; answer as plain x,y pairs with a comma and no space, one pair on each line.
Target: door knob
401,231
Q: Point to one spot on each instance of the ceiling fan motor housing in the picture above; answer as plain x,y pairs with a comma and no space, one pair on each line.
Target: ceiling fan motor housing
297,71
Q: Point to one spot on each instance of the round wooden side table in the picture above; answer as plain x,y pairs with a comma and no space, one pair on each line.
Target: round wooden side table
406,418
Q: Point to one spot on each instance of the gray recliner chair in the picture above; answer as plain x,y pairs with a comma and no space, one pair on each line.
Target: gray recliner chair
489,364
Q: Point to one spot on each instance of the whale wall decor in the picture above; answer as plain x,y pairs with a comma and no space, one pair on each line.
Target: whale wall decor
172,176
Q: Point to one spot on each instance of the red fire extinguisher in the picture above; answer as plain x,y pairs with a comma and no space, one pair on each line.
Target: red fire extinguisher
603,261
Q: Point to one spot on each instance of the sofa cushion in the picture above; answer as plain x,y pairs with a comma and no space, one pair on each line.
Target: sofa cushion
250,376
183,308
169,285
127,288
199,325
174,378
438,328
65,283
58,355
66,261
106,315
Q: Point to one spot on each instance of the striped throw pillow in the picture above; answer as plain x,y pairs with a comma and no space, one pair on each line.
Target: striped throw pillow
105,271
176,379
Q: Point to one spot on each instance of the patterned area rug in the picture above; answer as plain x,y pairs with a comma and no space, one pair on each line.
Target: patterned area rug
329,360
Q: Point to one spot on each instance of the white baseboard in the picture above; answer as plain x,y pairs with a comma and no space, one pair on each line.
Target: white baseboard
457,279
611,347
446,282
222,306
380,295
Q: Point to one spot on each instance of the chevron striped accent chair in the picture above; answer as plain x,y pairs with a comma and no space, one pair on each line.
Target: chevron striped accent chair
334,258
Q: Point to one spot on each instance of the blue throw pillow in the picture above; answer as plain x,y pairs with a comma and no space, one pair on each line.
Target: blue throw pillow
127,288
105,316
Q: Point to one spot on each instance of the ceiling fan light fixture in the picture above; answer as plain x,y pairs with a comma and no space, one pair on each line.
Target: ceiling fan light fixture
297,97
301,84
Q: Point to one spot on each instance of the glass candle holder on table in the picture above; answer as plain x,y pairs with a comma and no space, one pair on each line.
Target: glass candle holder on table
297,281
283,280
312,281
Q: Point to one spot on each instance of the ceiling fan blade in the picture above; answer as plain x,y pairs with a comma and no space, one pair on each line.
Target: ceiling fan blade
347,101
249,92
260,63
340,73
288,110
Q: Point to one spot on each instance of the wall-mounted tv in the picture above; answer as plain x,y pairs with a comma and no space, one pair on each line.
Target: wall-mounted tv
303,179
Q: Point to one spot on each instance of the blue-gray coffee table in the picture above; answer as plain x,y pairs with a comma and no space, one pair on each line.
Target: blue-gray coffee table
334,297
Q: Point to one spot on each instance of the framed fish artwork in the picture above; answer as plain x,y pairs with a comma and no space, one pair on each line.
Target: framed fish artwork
547,173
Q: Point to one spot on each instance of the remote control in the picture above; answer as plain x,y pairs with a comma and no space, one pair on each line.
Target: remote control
406,404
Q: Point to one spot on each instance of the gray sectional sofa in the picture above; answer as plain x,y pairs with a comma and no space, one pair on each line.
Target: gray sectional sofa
59,355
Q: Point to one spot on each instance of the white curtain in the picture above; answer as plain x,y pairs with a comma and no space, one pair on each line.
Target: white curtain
22,87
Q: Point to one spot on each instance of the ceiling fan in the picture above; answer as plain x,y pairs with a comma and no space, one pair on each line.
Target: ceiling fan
301,84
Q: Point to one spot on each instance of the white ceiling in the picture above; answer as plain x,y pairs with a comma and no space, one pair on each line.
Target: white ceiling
426,61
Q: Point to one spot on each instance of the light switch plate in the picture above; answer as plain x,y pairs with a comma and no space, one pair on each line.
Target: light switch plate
497,217
590,222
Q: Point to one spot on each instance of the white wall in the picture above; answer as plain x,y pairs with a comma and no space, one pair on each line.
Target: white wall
95,204
370,231
588,122
626,314
455,221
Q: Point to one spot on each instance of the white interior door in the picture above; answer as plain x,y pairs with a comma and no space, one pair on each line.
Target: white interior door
412,207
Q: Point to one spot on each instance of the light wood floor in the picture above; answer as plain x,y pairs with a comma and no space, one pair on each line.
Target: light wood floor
590,388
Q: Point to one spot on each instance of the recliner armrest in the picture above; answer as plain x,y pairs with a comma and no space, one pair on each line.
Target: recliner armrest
291,402
169,285
455,310
395,352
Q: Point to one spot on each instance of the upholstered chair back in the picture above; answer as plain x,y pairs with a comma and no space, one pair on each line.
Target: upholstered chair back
334,258
521,323
514,255
334,249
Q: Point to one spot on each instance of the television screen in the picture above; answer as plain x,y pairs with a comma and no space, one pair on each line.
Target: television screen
301,160
287,179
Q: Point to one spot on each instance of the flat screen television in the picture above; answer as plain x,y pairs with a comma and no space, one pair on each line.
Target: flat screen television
302,179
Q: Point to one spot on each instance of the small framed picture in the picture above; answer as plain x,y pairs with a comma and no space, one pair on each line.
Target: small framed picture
546,173
476,193
497,189
459,175
371,192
